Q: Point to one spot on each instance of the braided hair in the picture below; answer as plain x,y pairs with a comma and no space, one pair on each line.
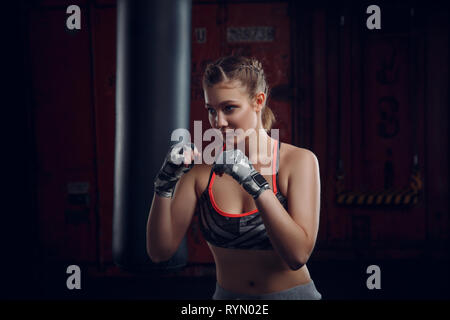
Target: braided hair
249,72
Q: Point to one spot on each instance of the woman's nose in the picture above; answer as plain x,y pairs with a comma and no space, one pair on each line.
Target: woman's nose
220,120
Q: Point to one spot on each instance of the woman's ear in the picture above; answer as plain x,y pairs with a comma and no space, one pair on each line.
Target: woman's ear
260,98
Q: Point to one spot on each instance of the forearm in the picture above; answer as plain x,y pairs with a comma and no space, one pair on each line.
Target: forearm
287,237
159,229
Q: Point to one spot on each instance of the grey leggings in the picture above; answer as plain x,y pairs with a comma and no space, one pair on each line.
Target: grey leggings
305,291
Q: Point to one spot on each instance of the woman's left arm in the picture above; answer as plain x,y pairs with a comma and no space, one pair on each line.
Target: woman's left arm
293,234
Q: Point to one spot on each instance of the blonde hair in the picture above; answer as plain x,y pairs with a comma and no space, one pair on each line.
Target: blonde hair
249,72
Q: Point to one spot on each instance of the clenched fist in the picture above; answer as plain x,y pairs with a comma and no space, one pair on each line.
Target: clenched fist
236,164
177,162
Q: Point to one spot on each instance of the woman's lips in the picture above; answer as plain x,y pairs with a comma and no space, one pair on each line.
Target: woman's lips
230,134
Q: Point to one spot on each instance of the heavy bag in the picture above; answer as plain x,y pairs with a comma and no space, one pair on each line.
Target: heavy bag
152,100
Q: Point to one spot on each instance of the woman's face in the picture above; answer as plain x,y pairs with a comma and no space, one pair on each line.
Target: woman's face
230,108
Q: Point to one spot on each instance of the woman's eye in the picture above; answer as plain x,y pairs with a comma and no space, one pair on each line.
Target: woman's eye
211,110
229,108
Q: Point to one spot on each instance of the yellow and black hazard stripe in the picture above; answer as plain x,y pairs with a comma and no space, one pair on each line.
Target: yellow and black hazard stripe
391,197
415,182
406,196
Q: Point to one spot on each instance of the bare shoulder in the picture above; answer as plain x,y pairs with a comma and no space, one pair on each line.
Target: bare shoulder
293,153
295,156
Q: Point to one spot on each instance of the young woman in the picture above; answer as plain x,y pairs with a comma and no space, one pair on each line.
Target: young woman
261,228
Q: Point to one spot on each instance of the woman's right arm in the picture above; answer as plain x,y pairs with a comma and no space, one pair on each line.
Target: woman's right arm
169,218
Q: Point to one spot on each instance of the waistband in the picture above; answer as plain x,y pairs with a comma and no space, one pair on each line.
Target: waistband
306,291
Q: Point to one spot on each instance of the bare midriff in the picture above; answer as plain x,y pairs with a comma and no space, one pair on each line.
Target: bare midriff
255,271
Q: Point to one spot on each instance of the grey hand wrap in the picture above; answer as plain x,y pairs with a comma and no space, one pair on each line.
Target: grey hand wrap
172,170
236,164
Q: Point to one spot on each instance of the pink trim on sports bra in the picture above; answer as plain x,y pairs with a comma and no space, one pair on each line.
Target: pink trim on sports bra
234,215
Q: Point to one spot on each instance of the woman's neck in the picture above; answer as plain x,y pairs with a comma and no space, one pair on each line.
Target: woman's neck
258,148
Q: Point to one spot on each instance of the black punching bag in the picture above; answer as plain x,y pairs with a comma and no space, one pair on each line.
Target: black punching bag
152,100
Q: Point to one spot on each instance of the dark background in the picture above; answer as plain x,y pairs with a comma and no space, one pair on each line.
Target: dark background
371,98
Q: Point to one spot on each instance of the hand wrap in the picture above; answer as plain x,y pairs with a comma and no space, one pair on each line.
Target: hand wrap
172,169
236,164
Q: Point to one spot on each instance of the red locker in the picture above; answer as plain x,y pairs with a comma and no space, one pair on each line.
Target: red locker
64,134
388,133
368,76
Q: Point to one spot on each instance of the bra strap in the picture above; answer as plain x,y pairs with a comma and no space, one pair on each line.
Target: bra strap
211,173
277,166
